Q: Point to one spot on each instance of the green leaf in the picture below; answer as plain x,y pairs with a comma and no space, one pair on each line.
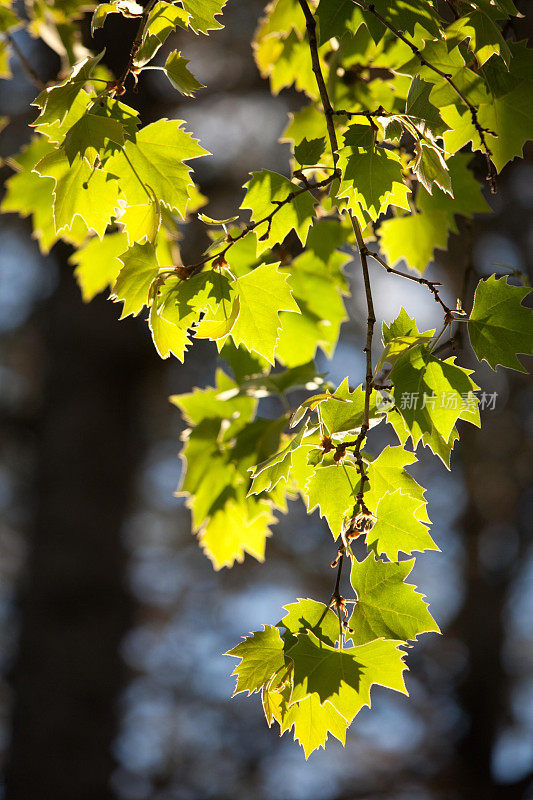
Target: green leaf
387,606
153,165
203,14
312,723
479,26
92,132
398,527
237,528
421,110
168,337
261,655
101,12
56,101
27,193
80,191
162,20
332,489
343,678
309,151
140,268
387,473
337,18
266,475
404,15
98,264
263,293
431,394
179,76
309,615
264,194
499,326
430,168
372,180
215,403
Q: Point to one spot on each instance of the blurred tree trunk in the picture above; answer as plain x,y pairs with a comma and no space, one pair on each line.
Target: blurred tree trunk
74,604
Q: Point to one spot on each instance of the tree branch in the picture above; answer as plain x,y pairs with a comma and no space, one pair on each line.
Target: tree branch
26,66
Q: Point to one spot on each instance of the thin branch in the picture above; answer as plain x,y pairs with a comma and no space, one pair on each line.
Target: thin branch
118,87
310,24
26,66
431,285
449,80
279,204
363,251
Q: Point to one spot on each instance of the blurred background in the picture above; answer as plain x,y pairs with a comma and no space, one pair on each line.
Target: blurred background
113,623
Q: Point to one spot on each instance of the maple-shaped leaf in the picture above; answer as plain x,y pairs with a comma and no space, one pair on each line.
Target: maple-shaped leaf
80,191
507,109
204,14
404,15
432,394
27,193
56,131
318,286
398,528
162,20
480,27
262,656
140,268
98,264
263,293
153,165
313,722
371,181
92,132
310,615
264,194
335,675
332,489
343,678
387,473
55,101
216,402
309,151
499,326
239,527
337,18
168,337
387,606
179,76
343,412
414,238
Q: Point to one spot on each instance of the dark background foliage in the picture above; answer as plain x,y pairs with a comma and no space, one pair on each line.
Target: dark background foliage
113,622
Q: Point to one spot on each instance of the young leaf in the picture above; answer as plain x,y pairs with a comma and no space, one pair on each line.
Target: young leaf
56,101
179,76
